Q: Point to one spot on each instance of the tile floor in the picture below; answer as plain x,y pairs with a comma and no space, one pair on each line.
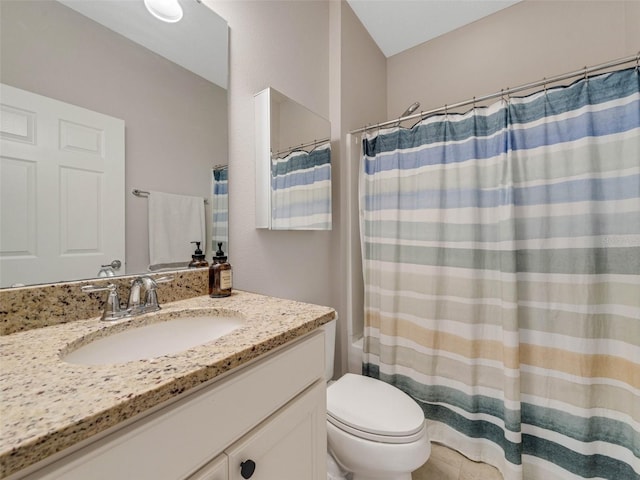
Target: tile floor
447,464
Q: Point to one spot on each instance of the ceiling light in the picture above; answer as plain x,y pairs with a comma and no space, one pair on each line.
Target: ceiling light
166,10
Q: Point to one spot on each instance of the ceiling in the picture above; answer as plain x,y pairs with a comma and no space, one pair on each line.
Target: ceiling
396,25
198,42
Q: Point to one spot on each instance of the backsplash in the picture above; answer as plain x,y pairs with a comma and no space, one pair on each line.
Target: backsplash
39,306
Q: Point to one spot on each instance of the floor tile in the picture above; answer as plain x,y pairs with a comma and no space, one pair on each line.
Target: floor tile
447,464
471,470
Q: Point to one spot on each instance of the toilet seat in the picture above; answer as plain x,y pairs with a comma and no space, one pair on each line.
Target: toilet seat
373,410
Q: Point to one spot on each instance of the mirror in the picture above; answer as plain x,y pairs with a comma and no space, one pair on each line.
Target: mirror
293,165
174,107
220,208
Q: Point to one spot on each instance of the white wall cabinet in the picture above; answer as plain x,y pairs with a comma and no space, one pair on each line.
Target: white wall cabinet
271,412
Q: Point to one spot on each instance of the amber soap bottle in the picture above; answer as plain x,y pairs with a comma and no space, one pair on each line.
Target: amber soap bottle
220,276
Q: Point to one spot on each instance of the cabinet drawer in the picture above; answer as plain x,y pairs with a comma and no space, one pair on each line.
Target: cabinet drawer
177,440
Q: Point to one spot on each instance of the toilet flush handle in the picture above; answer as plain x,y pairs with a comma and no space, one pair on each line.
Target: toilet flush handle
247,468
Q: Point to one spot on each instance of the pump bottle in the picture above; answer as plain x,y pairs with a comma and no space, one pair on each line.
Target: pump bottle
220,275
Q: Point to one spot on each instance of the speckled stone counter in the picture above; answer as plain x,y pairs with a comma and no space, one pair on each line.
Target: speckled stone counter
39,306
48,405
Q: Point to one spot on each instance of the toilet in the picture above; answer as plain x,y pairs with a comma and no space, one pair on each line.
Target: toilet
374,430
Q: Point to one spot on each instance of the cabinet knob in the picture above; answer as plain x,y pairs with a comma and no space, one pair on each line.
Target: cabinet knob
247,468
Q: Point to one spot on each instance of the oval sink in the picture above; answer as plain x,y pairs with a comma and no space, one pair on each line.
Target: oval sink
154,340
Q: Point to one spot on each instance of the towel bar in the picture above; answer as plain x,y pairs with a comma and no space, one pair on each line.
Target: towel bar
144,194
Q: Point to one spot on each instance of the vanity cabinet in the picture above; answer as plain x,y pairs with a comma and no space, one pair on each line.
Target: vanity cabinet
217,469
271,412
290,445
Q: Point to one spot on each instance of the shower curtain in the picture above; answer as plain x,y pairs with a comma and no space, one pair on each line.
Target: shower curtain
220,209
501,258
301,190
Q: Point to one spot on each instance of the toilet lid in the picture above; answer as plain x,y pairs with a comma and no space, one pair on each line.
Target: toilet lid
374,407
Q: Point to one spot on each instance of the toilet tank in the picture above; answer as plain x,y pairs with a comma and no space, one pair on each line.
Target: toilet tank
329,348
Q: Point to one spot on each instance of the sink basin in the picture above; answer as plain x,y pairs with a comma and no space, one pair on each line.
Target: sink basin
154,340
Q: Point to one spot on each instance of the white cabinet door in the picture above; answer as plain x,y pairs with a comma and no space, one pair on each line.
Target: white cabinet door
215,470
291,445
61,189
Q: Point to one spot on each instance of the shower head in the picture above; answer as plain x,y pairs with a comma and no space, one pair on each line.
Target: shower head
412,108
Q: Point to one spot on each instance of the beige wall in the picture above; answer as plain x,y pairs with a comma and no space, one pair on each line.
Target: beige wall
362,98
317,53
520,44
285,45
175,121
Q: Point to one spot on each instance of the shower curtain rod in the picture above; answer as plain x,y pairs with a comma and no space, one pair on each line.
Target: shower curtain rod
545,81
301,146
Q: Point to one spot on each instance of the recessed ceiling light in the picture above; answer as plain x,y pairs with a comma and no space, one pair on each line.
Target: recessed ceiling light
166,10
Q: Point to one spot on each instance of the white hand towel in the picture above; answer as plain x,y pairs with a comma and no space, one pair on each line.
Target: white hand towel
174,222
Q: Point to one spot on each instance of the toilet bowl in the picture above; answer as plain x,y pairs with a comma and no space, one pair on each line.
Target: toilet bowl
374,430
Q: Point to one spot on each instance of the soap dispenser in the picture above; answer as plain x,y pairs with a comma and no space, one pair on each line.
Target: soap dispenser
220,276
197,259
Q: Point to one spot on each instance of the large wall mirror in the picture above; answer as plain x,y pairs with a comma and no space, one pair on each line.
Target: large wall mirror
166,82
293,165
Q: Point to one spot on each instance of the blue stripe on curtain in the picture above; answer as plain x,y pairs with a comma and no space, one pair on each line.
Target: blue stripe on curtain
615,120
501,260
485,122
301,190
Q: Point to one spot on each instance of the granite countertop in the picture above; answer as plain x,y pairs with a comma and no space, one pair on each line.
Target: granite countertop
48,405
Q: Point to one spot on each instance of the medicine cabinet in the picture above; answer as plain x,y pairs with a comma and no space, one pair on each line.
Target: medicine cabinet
293,165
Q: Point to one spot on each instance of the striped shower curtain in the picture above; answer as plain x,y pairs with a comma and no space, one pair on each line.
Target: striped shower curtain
220,209
301,190
501,253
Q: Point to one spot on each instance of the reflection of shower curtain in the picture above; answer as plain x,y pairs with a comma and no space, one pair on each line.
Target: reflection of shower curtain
502,277
220,209
301,190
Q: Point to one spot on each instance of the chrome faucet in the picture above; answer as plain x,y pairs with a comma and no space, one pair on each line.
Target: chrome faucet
135,305
112,308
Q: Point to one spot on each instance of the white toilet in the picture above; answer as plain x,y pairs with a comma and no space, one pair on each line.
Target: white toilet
374,430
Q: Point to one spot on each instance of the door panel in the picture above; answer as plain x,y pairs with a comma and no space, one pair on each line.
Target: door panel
62,189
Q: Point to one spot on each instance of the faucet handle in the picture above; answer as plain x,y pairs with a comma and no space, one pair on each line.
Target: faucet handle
165,279
151,297
112,306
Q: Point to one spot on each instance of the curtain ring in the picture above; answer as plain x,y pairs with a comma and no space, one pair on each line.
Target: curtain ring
474,103
545,85
446,111
586,78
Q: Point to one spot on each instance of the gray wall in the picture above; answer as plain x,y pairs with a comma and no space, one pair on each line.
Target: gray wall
175,121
